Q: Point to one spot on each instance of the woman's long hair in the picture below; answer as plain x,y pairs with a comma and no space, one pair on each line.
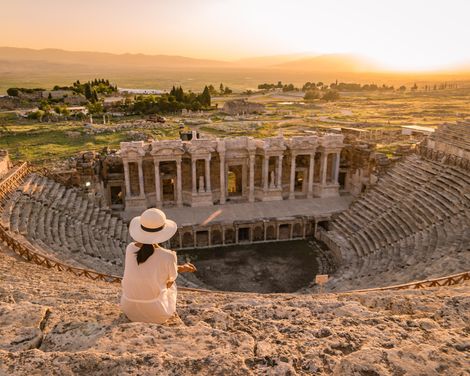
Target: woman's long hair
144,253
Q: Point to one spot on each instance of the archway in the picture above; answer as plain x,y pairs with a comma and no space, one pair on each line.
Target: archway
229,236
270,233
297,231
188,240
235,181
216,237
284,231
258,234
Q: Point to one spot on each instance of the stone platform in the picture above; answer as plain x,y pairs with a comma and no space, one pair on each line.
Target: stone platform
230,213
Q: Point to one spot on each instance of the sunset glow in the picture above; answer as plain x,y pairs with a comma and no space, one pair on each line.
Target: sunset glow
399,35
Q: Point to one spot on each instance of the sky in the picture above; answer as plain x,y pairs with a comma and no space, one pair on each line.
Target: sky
398,34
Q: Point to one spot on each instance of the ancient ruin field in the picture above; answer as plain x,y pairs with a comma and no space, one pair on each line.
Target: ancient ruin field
286,113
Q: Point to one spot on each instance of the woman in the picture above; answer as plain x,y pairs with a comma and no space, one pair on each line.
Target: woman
148,285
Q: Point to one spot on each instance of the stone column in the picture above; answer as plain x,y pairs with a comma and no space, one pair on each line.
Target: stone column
127,179
141,179
292,177
324,167
310,176
179,185
222,179
158,197
208,174
251,192
193,176
279,172
265,173
336,172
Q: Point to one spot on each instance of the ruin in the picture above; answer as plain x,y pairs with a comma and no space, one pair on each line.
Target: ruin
5,163
204,172
242,107
220,191
410,230
413,223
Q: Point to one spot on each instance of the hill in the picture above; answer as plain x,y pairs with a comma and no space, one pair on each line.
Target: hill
56,323
87,58
332,63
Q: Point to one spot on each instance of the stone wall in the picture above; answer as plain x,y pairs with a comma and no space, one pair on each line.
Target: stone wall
241,106
5,162
240,169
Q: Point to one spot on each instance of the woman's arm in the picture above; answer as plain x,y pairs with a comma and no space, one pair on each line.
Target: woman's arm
187,268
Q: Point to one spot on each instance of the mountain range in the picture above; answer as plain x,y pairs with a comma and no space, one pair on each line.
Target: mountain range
331,62
45,67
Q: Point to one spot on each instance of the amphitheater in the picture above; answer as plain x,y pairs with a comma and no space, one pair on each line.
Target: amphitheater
397,303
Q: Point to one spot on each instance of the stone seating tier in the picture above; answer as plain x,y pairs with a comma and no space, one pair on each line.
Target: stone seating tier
67,224
415,223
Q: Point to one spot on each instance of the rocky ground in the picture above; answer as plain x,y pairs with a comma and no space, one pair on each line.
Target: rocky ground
56,324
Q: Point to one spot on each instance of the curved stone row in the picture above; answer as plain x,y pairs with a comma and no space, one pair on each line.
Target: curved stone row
66,224
452,134
414,224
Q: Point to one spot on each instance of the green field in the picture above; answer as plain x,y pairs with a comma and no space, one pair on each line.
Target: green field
287,113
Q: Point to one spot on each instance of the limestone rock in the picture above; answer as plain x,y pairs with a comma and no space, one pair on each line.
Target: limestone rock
55,323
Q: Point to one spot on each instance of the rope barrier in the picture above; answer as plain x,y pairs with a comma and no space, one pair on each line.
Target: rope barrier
13,180
28,253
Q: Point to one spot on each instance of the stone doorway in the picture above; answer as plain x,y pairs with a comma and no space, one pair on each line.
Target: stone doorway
284,231
202,238
235,181
243,234
342,179
115,195
168,189
300,180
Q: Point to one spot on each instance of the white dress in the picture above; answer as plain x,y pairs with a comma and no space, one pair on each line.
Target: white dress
145,296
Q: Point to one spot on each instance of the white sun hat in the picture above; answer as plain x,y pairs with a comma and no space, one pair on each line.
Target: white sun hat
152,227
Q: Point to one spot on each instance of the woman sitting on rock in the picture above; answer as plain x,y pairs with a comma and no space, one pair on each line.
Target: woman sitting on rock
150,271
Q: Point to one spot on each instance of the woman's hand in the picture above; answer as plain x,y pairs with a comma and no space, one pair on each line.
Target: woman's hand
187,268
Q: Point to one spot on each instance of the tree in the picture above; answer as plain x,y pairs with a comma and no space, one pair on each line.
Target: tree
95,108
87,91
212,90
311,95
205,97
330,96
307,86
37,115
228,90
221,88
13,92
415,87
289,87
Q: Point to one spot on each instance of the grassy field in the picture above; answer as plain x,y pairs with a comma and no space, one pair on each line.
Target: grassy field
286,114
42,143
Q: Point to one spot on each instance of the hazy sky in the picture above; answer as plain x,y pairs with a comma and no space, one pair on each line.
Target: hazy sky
403,34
